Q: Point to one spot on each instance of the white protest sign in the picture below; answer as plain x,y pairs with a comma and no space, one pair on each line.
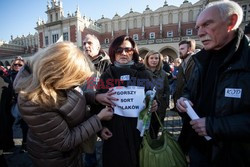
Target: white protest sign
131,100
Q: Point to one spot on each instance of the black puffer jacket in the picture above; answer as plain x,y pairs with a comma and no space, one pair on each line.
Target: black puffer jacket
229,121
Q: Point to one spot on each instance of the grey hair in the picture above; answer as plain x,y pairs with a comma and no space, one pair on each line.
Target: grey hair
94,37
228,8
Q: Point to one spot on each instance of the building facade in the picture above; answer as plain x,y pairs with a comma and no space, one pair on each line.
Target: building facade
160,30
24,46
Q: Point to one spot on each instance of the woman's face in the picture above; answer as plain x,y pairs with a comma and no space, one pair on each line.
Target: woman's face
153,60
17,65
124,53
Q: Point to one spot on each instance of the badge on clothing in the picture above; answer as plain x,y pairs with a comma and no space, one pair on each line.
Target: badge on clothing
125,78
233,92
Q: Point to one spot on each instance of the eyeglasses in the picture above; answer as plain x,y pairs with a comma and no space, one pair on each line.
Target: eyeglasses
20,65
127,50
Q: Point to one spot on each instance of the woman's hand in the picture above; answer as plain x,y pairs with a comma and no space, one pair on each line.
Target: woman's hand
105,133
154,106
106,114
106,98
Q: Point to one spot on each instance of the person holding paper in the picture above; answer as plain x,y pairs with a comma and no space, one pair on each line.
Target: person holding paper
129,80
218,90
154,62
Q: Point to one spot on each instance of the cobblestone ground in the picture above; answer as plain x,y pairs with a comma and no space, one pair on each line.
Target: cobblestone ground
17,158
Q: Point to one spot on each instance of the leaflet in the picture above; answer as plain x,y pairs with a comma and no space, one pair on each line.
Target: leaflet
192,114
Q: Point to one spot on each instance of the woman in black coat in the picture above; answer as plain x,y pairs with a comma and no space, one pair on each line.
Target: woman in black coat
125,77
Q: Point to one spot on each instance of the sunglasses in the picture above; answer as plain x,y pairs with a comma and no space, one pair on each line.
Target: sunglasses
20,65
127,50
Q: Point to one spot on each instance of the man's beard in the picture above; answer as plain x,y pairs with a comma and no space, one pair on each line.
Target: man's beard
183,56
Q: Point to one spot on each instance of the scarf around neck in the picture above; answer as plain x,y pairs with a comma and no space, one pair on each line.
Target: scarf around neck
128,65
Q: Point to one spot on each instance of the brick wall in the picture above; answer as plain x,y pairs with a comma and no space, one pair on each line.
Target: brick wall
73,33
41,39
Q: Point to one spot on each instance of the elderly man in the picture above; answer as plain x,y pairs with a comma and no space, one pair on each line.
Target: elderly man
219,91
92,48
101,60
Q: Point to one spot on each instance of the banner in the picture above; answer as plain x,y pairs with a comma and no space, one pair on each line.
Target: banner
131,100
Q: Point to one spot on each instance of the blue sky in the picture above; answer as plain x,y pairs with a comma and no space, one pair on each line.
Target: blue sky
19,17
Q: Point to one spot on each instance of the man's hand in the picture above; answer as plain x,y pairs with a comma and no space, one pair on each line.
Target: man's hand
181,106
199,125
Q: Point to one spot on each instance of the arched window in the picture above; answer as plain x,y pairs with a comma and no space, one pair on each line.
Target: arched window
160,19
190,16
170,18
106,27
119,25
180,17
135,23
151,20
143,22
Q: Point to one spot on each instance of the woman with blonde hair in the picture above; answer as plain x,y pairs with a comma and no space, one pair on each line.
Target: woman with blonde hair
54,107
154,64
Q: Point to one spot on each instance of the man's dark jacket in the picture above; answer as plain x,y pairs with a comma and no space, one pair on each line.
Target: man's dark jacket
229,121
182,78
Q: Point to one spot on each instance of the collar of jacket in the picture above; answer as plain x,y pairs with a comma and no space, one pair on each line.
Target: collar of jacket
101,56
133,69
238,57
156,73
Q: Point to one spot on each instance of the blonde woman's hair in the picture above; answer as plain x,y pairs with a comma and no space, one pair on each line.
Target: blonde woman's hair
177,61
152,52
57,68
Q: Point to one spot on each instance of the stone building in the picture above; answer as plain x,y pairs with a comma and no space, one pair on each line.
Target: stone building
24,46
160,30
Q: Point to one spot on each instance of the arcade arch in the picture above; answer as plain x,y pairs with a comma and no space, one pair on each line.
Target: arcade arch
171,52
143,52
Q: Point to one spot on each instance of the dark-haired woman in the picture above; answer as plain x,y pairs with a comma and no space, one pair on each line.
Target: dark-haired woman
129,77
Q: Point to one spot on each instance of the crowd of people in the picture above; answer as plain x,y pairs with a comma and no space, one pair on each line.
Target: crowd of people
63,98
